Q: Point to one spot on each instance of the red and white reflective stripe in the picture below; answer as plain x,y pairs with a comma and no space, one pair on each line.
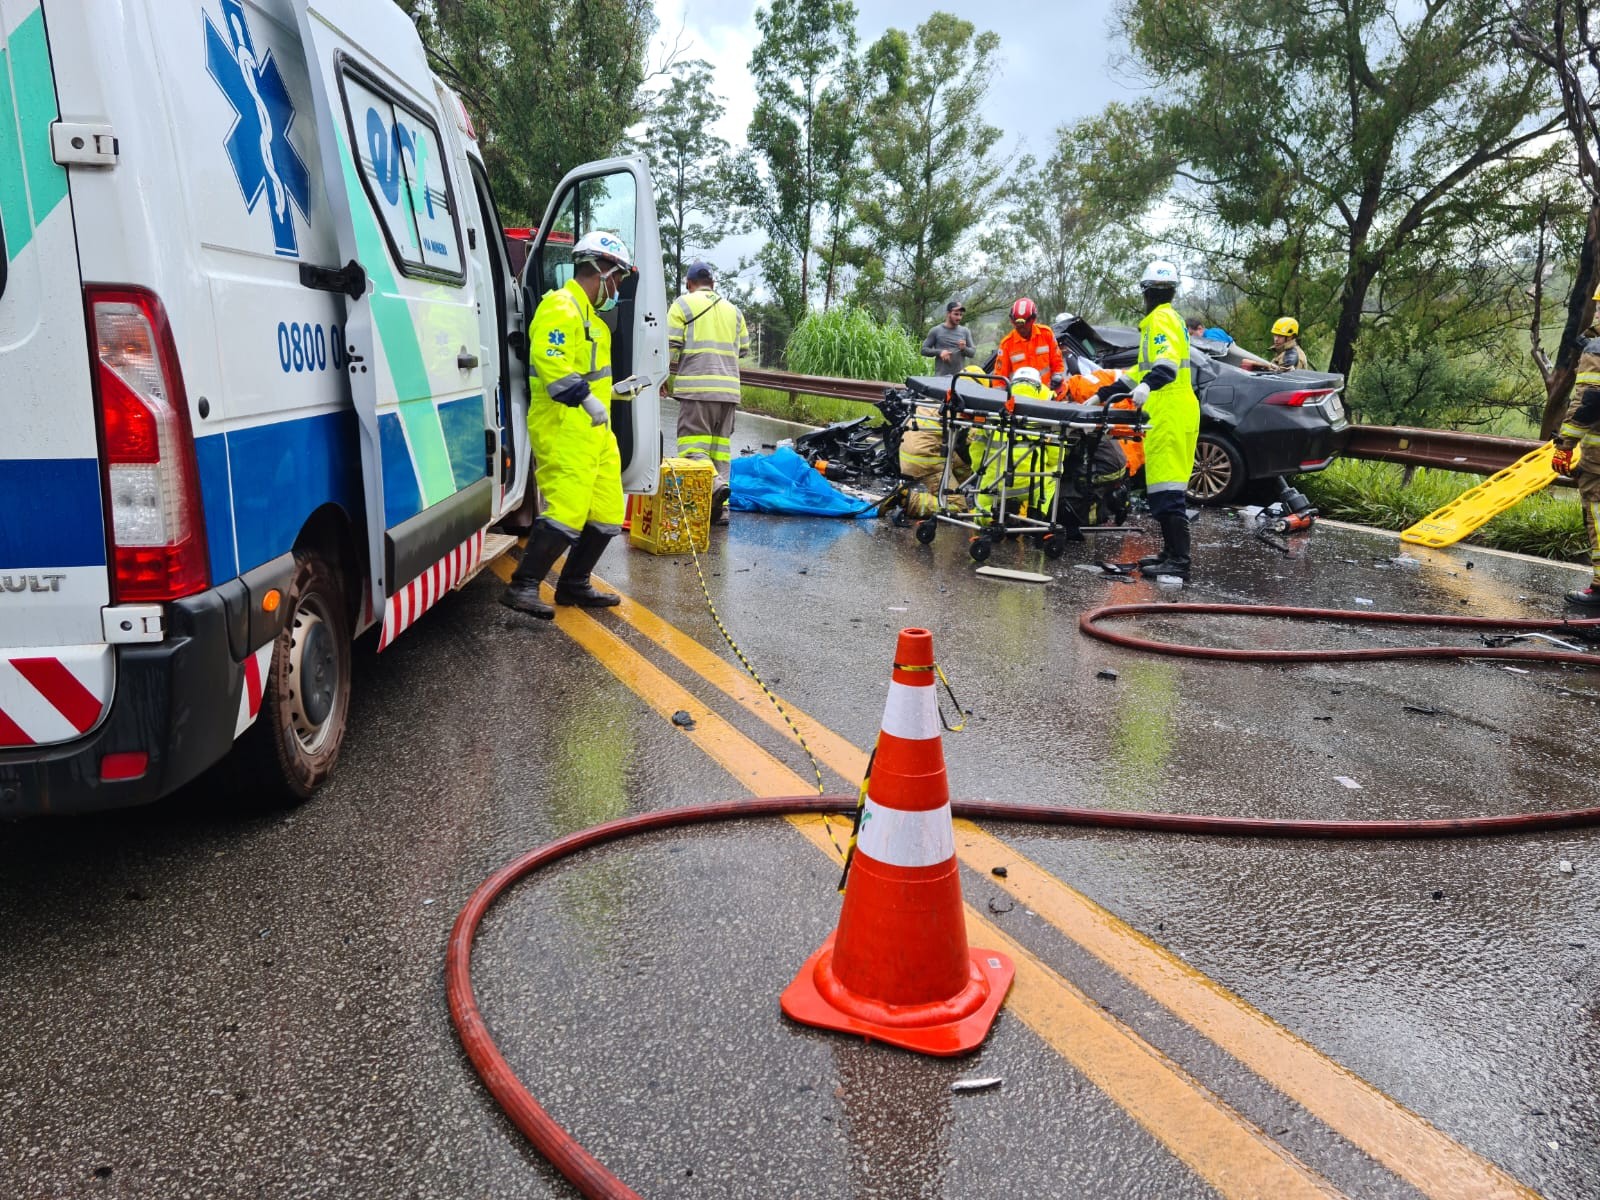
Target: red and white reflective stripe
898,838
912,711
401,610
54,695
256,667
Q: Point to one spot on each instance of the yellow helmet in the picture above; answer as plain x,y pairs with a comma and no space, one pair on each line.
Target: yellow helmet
1286,327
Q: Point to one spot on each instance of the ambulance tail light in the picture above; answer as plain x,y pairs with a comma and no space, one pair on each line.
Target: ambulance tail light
152,485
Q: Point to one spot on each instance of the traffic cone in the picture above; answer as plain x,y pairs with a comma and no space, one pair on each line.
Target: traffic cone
898,968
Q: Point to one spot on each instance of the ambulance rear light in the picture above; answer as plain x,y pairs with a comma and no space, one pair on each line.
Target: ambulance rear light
147,451
1298,399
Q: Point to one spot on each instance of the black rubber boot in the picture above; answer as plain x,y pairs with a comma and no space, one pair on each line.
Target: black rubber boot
719,502
1175,547
1588,598
574,587
545,545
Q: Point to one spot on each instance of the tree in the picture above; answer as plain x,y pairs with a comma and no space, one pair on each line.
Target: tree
550,83
1564,45
789,181
689,165
1056,241
933,162
1315,143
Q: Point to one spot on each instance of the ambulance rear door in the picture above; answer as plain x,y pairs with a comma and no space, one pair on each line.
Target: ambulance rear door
414,354
56,668
616,195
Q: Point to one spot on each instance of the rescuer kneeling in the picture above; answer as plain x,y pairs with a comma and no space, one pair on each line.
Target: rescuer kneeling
576,461
1160,384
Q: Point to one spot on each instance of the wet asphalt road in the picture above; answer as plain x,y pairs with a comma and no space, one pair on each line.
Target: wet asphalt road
204,1001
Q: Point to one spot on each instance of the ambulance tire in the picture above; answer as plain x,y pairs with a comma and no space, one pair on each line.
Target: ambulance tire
296,739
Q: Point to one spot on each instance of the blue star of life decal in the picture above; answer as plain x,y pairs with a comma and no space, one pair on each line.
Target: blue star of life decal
264,161
557,338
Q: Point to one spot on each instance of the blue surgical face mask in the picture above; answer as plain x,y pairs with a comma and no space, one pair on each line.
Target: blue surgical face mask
609,300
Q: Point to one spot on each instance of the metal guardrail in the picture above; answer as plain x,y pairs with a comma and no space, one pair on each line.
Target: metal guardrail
1442,449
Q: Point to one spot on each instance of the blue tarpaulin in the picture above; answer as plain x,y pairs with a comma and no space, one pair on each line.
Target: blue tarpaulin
783,482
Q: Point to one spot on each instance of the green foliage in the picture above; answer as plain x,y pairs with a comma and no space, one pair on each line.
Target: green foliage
807,410
1411,384
1549,524
933,163
848,343
1318,148
689,166
550,83
802,155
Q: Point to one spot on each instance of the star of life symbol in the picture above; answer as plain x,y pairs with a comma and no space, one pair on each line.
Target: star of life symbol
557,338
264,161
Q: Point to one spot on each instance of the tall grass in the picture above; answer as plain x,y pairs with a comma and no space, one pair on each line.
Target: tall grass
808,410
1548,524
847,343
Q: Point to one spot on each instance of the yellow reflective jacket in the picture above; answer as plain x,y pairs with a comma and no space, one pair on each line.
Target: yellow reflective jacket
569,349
706,337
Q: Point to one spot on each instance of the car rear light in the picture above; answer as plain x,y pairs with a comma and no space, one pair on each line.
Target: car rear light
147,451
126,764
1298,399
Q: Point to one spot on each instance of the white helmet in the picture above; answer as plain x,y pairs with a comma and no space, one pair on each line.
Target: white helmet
1159,273
600,244
1029,375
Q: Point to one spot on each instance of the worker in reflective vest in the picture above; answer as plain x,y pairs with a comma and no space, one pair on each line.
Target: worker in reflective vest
1160,384
706,337
1030,344
576,462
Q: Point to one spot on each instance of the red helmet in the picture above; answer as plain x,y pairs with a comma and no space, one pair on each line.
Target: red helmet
1024,310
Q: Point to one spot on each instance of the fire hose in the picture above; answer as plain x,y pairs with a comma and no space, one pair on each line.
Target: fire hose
590,1176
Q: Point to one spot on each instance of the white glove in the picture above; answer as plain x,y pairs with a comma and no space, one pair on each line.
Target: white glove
1140,394
597,411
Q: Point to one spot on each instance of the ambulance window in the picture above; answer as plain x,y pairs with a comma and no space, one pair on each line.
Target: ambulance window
607,202
402,167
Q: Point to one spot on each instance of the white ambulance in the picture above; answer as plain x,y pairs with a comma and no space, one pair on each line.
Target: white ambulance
261,382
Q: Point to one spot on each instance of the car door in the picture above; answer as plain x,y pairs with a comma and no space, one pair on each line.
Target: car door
616,195
413,346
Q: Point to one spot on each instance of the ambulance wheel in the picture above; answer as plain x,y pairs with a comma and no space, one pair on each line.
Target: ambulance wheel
306,702
980,548
926,529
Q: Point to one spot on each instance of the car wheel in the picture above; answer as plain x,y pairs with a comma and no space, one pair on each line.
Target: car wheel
306,702
1218,476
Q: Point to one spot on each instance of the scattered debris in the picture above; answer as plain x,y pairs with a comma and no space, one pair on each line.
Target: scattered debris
1516,670
1421,709
1322,718
425,903
1001,872
1566,867
1016,576
1348,782
997,910
975,1085
1469,564
1362,600
1169,581
1105,673
682,719
1438,894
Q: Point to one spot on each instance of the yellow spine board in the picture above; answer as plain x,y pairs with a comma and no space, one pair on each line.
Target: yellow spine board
680,511
1476,506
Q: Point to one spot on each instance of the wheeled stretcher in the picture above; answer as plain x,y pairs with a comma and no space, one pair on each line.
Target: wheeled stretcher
1033,461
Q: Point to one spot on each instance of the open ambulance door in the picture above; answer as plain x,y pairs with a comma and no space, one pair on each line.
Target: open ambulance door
615,195
413,348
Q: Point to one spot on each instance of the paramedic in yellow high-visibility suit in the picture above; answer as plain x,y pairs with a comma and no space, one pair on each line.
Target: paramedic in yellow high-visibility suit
1160,384
576,462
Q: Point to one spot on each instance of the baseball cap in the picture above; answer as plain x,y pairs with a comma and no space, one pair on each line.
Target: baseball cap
699,269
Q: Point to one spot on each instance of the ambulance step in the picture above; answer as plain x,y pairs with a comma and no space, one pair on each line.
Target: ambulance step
1476,506
494,545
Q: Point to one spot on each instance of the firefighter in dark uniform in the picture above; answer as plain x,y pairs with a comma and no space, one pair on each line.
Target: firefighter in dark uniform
1580,433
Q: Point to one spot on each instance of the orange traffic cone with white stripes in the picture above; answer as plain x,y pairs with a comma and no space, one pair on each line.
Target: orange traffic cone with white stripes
898,968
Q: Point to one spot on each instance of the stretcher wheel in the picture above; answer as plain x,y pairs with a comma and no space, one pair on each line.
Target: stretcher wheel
1053,545
926,529
980,548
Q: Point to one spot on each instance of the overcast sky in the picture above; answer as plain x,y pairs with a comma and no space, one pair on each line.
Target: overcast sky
1056,63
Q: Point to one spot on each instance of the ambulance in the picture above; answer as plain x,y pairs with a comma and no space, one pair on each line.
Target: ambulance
262,379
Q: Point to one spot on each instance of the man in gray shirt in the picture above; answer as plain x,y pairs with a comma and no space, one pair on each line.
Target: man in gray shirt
950,342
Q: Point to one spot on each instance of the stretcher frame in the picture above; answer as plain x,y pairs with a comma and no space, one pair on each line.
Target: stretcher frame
1018,435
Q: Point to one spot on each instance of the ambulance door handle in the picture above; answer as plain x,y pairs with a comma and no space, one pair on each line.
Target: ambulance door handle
466,360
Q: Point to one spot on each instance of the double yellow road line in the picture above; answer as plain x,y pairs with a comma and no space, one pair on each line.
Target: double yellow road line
1231,1153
